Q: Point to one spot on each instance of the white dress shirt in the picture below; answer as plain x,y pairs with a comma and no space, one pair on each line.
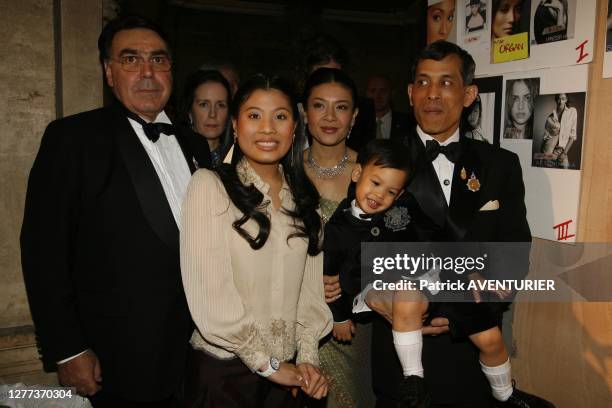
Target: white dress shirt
568,122
356,211
444,168
171,168
385,125
169,163
359,304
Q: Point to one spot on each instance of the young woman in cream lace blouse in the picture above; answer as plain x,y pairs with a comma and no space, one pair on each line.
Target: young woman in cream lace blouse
251,265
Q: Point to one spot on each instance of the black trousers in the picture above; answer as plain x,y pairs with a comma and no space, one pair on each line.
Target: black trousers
103,399
214,383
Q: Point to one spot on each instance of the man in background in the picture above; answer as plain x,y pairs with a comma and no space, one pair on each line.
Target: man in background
228,70
389,124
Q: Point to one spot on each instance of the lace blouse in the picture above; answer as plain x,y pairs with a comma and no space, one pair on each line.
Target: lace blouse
251,304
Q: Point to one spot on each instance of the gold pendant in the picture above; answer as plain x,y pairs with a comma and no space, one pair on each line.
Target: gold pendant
463,174
473,183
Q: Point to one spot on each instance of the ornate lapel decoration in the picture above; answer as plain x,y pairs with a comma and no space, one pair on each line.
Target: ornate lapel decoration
473,184
397,218
463,174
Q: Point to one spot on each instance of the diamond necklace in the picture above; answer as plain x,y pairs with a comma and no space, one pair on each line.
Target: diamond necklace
327,172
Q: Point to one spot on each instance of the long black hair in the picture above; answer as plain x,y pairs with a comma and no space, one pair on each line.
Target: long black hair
196,79
465,123
249,200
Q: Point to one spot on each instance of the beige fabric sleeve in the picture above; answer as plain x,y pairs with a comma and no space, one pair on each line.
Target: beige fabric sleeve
314,319
215,304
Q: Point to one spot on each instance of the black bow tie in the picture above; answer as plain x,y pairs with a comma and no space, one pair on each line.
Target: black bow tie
152,129
366,217
452,151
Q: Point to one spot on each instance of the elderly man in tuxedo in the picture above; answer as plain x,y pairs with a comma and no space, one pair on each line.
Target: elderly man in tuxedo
473,192
100,242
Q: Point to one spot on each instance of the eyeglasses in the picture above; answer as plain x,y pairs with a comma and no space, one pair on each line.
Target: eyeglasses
133,63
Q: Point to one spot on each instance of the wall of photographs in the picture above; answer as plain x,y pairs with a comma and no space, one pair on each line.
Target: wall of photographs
532,76
548,144
516,35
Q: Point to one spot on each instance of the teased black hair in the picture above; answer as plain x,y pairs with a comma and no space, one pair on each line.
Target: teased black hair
327,76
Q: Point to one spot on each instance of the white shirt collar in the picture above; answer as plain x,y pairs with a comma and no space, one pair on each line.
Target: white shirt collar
425,137
160,118
163,118
355,210
386,117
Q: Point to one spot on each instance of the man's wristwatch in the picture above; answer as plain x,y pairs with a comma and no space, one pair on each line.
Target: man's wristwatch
273,366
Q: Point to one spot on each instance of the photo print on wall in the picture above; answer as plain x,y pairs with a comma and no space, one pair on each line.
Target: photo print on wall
520,100
557,137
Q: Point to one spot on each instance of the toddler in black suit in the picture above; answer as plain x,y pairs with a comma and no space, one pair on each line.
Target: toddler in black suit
372,213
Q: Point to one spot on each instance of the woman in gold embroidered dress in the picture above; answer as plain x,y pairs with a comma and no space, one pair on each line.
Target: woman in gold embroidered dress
330,97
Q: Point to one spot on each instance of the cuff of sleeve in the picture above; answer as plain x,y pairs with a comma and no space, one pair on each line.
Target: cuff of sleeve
71,357
308,350
341,308
252,353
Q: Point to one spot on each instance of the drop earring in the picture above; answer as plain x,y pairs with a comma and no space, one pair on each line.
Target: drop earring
230,154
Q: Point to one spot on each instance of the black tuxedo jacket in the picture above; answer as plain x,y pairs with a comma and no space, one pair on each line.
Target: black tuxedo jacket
344,234
452,371
100,254
365,125
364,129
401,125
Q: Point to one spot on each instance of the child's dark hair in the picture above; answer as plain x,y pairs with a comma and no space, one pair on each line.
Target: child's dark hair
387,153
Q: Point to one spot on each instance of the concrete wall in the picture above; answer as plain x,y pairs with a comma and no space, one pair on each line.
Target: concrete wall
38,85
27,72
81,73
